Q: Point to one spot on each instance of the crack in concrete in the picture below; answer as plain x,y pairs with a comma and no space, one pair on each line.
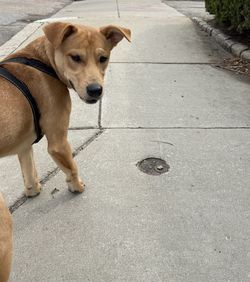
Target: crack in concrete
20,201
162,142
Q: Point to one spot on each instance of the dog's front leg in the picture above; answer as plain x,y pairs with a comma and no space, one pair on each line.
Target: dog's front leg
31,183
61,153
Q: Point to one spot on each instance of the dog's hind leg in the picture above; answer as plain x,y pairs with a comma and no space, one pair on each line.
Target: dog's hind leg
62,155
31,183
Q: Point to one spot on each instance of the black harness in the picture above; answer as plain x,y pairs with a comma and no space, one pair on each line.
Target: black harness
23,87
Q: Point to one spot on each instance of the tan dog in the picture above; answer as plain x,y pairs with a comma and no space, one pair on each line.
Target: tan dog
79,55
5,241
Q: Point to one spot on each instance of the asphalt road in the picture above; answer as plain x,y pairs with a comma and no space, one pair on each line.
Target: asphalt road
15,15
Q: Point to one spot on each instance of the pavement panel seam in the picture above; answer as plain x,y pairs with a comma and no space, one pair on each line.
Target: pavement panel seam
117,8
168,63
100,115
20,201
83,127
175,127
89,141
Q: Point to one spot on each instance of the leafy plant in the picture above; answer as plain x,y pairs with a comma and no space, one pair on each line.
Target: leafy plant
233,13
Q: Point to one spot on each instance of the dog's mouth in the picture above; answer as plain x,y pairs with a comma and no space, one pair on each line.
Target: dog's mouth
90,101
72,85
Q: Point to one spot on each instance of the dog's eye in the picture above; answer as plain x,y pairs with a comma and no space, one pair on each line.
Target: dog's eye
103,59
76,58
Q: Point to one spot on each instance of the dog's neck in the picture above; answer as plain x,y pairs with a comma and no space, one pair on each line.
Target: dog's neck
39,49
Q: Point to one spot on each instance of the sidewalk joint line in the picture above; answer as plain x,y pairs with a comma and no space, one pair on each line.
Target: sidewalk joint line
117,7
167,63
20,201
83,127
100,114
88,142
177,127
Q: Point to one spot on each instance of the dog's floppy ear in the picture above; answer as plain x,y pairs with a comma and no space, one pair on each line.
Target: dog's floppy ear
115,33
57,32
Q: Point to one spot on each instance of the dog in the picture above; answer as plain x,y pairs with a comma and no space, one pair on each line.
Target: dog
79,56
5,241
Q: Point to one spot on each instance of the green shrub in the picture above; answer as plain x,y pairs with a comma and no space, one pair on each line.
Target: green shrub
210,6
233,13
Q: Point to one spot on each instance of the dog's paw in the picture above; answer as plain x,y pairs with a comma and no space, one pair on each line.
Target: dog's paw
33,191
76,186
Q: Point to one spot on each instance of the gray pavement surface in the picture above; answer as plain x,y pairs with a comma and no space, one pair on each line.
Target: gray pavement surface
16,14
164,98
191,224
195,8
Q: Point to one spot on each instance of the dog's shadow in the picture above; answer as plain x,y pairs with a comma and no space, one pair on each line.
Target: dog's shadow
50,200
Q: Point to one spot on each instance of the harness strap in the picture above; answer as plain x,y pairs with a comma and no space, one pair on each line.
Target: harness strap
23,87
32,63
25,90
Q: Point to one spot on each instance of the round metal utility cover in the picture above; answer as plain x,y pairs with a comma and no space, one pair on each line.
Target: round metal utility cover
153,166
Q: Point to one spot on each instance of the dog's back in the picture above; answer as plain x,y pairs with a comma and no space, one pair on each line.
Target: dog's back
5,241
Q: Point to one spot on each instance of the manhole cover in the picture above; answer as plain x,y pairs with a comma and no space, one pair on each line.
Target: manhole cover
153,166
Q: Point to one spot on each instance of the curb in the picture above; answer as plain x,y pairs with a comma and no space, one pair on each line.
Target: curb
237,49
12,44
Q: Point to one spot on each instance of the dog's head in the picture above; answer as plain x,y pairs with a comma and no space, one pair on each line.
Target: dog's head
81,55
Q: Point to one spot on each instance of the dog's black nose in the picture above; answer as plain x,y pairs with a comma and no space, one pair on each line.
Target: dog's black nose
94,90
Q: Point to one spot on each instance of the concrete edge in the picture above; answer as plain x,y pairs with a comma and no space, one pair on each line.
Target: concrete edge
12,44
237,49
49,20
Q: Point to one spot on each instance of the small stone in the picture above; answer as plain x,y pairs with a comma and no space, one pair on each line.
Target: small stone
159,167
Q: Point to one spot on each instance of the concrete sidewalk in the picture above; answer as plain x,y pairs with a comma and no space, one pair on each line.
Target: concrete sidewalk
193,8
163,98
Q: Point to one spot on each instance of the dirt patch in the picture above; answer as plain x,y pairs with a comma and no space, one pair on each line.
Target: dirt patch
236,65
